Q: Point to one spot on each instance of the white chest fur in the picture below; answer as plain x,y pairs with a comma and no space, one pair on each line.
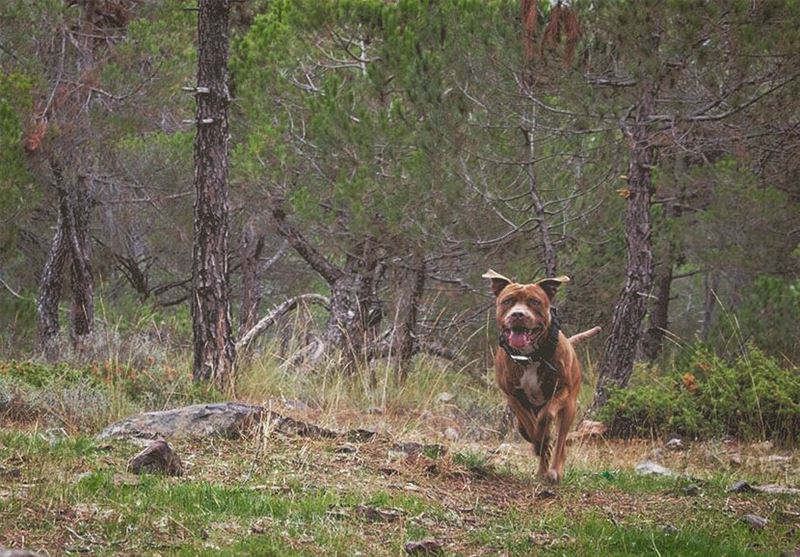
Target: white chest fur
531,386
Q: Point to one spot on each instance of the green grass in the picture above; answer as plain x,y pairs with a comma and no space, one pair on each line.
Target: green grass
300,497
62,492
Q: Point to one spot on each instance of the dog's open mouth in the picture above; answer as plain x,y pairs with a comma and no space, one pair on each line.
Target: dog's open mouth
520,337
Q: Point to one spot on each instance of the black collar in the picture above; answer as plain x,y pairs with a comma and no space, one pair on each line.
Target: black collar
543,352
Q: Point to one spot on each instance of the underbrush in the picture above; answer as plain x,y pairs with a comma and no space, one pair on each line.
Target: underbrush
86,397
751,397
432,394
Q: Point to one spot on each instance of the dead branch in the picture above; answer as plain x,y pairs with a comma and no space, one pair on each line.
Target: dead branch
267,321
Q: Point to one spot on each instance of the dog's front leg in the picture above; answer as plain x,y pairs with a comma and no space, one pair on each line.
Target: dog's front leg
565,418
552,469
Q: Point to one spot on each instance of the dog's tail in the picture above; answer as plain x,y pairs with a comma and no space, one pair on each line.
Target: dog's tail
585,335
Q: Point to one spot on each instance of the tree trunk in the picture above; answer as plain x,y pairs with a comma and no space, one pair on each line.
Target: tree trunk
626,326
249,252
354,309
51,283
71,243
549,252
659,309
214,352
82,280
403,341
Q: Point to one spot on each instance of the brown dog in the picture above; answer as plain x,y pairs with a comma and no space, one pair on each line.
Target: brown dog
536,366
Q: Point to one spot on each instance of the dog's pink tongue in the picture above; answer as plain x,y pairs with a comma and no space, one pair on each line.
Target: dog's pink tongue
517,340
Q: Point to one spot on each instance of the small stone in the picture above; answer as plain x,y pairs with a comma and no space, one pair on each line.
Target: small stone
158,458
452,434
669,529
10,473
740,486
82,476
374,514
428,546
294,404
692,490
360,435
735,459
756,522
502,448
675,444
545,494
445,397
650,468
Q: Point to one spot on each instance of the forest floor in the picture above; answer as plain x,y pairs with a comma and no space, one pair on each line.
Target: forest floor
64,492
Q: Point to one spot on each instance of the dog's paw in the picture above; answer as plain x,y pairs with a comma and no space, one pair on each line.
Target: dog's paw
552,476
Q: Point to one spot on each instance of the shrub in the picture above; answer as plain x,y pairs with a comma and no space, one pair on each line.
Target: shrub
751,397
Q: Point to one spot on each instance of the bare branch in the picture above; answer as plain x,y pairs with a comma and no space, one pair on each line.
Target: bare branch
267,321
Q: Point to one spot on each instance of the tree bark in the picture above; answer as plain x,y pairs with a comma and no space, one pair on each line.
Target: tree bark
626,326
214,352
71,244
249,252
659,311
51,284
548,250
403,339
354,308
82,279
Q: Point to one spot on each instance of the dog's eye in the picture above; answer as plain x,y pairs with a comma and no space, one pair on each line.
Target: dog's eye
507,302
534,302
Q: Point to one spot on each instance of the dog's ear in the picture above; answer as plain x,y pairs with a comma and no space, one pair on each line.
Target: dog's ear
498,281
550,285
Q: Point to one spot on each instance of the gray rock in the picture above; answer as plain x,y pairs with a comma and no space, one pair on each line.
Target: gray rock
692,490
675,444
740,487
361,435
158,458
419,547
756,522
445,397
374,514
224,419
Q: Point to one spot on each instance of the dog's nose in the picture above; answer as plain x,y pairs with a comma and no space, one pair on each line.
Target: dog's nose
517,315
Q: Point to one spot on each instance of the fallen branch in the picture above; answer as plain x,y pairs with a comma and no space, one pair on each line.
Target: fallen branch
275,314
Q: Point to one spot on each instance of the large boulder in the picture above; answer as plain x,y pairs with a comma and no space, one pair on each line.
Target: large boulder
224,419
